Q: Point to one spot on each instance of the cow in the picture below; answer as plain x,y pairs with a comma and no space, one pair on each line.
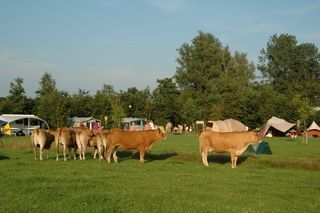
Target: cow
84,138
67,138
138,140
43,139
233,142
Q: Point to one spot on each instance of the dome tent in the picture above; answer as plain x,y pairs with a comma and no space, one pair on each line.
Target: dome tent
228,125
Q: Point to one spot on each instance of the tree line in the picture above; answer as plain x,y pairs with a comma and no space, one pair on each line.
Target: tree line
210,83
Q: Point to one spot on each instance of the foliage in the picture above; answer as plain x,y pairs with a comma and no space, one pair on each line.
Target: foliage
210,83
117,112
166,107
291,68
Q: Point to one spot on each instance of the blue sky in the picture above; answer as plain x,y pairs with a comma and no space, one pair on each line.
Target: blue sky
132,43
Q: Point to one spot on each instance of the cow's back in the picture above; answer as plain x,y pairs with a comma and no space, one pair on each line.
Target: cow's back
133,140
225,141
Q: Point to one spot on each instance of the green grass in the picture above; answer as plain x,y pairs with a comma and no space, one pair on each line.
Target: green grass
173,179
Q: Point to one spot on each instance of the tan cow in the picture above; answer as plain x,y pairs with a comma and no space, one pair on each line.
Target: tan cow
67,138
84,138
137,140
43,139
233,142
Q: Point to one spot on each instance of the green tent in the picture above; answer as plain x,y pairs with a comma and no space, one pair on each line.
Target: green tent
262,148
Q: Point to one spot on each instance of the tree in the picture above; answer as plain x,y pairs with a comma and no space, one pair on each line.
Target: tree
213,78
81,104
117,112
52,105
102,102
47,85
17,98
304,109
291,68
166,106
135,102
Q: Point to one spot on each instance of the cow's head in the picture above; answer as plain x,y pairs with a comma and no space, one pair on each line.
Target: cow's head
255,137
162,133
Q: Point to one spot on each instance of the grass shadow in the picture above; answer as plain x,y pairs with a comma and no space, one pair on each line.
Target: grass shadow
4,157
126,155
224,159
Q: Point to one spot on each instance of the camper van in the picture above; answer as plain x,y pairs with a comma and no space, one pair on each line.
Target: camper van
22,124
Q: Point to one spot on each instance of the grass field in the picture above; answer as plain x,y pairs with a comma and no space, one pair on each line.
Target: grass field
173,179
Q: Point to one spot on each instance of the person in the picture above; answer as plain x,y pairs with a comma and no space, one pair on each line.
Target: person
147,126
133,127
95,126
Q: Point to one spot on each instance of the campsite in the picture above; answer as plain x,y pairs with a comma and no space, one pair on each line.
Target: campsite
173,179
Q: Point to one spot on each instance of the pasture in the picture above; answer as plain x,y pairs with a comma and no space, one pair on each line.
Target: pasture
172,179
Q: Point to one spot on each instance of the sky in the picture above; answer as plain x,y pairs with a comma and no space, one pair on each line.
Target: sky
84,44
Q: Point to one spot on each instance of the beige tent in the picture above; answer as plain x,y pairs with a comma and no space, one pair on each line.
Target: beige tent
277,127
228,125
313,130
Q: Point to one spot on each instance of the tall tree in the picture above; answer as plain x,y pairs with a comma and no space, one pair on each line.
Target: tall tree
102,103
213,78
165,100
118,112
17,97
81,104
134,101
291,68
52,105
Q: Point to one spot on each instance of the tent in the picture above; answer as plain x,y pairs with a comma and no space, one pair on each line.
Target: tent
261,148
87,121
21,123
313,130
228,125
278,127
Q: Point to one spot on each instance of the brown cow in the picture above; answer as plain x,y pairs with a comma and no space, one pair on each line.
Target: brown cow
138,140
43,139
67,138
233,142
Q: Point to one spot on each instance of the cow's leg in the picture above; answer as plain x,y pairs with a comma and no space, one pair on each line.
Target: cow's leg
115,158
57,151
75,149
35,151
64,152
95,152
109,151
204,155
84,150
47,151
142,152
41,151
233,159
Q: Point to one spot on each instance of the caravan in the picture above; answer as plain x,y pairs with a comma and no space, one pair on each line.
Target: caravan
20,125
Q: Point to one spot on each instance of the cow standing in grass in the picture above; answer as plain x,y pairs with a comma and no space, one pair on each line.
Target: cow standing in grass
67,138
233,142
85,138
137,140
43,139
